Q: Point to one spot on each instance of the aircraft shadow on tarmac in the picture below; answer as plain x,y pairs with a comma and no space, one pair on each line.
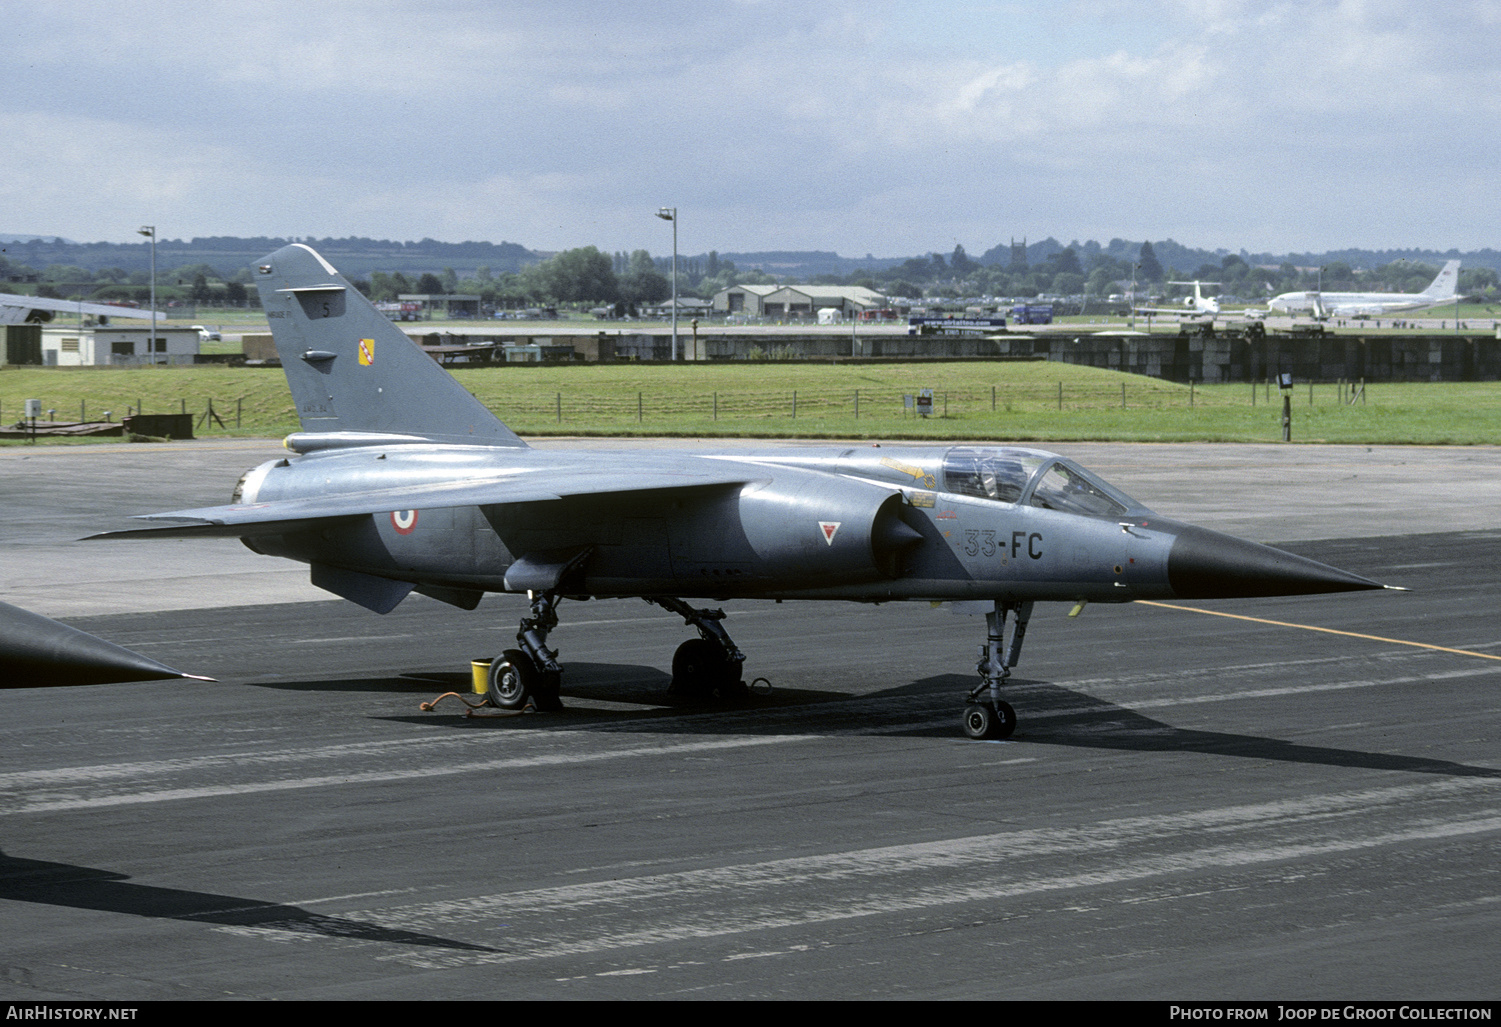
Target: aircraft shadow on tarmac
1049,715
414,682
78,887
614,683
1054,715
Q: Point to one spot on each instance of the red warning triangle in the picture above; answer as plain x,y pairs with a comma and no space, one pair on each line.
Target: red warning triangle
829,528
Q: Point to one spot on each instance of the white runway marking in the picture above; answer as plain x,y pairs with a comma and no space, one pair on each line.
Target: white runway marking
35,797
589,918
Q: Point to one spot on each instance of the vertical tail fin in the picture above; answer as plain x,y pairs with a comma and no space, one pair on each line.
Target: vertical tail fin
351,369
1446,284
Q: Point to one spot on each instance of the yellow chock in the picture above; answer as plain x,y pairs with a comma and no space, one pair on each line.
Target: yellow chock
479,672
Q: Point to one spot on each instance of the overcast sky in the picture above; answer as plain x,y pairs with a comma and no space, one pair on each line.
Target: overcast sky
862,127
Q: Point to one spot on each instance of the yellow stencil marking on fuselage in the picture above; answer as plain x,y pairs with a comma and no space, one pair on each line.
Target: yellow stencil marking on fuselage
916,472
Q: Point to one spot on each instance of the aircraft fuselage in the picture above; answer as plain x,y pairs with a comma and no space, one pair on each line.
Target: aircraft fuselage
1353,304
870,523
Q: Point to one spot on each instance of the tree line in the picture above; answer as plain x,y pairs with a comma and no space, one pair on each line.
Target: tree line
586,275
1101,274
188,283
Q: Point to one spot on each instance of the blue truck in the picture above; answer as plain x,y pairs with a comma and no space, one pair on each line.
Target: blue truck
1032,314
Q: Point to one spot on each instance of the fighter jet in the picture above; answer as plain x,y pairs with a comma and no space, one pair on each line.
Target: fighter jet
402,481
37,652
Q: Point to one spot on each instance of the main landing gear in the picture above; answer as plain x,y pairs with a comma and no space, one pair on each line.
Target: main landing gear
708,664
987,715
530,674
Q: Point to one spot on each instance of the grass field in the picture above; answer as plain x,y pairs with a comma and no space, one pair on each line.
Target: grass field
1017,401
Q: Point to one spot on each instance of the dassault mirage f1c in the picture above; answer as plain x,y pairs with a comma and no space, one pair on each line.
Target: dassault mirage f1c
402,481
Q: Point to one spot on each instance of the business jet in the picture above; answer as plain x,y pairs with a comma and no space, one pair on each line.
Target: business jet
1197,305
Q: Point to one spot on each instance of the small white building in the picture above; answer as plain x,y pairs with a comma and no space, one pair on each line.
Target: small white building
117,345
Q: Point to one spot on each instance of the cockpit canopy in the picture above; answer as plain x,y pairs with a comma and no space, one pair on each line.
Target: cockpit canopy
1001,474
1031,477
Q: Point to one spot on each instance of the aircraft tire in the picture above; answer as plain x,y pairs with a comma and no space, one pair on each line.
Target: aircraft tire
545,693
731,686
697,668
513,680
984,722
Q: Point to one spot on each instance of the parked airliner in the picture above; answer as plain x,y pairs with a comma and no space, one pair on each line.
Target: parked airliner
1354,304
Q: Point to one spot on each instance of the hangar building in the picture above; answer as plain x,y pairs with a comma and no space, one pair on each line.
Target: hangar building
742,299
796,300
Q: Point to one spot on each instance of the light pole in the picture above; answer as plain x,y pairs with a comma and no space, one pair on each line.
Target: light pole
671,214
150,231
1456,304
1400,260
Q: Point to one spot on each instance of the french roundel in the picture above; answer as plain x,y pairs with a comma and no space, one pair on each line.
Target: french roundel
404,521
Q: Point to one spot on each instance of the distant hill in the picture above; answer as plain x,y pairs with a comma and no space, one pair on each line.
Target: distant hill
28,238
358,257
805,263
1186,258
1375,258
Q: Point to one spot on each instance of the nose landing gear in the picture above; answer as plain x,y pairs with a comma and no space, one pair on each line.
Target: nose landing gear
987,716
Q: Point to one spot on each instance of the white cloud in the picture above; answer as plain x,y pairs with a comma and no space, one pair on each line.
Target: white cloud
858,127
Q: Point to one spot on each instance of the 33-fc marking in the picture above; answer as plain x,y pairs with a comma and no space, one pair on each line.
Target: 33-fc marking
982,542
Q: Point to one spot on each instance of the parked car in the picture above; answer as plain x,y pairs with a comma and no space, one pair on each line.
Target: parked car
207,334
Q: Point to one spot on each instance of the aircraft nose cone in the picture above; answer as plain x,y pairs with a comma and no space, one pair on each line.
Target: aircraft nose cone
1204,564
38,651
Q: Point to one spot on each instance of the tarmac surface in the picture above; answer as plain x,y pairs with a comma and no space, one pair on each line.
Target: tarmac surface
1193,806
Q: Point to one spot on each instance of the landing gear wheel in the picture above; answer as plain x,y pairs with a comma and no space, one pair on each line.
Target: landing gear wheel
985,722
699,668
695,666
733,687
545,693
513,680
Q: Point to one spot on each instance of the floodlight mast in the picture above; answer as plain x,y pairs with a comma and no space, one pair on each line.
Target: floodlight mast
671,214
150,230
